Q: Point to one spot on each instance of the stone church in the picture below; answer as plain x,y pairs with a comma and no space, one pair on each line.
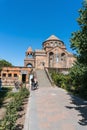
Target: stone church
52,55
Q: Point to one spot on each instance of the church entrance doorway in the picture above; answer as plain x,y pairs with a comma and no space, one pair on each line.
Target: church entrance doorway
24,78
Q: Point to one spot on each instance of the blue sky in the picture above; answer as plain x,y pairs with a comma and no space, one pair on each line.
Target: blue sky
25,23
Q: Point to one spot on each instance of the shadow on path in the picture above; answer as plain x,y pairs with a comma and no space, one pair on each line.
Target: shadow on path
81,106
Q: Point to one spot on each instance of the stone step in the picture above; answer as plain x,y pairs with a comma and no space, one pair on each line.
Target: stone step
42,78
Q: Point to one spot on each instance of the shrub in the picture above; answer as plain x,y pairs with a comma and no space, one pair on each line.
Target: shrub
9,121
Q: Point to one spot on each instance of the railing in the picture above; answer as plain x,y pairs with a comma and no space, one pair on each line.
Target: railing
49,77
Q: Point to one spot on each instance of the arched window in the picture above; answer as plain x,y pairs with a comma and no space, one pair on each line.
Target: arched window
30,55
51,59
29,65
63,57
57,58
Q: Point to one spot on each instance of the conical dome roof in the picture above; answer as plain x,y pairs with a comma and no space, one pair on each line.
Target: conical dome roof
29,51
52,37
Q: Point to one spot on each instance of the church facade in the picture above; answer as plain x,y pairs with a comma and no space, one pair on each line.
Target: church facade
52,55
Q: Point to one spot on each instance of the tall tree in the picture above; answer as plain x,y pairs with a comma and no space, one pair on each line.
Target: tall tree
79,43
79,38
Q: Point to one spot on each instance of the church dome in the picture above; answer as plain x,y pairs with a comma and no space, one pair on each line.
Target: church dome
52,37
52,42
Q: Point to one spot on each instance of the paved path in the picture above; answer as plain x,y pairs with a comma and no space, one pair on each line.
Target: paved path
54,109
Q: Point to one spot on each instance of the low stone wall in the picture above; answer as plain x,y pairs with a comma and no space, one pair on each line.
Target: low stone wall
59,70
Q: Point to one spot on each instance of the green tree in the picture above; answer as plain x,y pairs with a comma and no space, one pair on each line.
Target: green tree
79,43
79,38
4,63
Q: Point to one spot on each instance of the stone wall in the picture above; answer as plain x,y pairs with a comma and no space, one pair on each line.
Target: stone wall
11,74
40,62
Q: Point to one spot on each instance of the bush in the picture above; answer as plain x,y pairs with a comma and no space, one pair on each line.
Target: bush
61,80
4,94
75,81
9,121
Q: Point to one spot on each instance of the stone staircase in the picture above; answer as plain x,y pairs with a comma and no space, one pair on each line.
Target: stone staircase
42,78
